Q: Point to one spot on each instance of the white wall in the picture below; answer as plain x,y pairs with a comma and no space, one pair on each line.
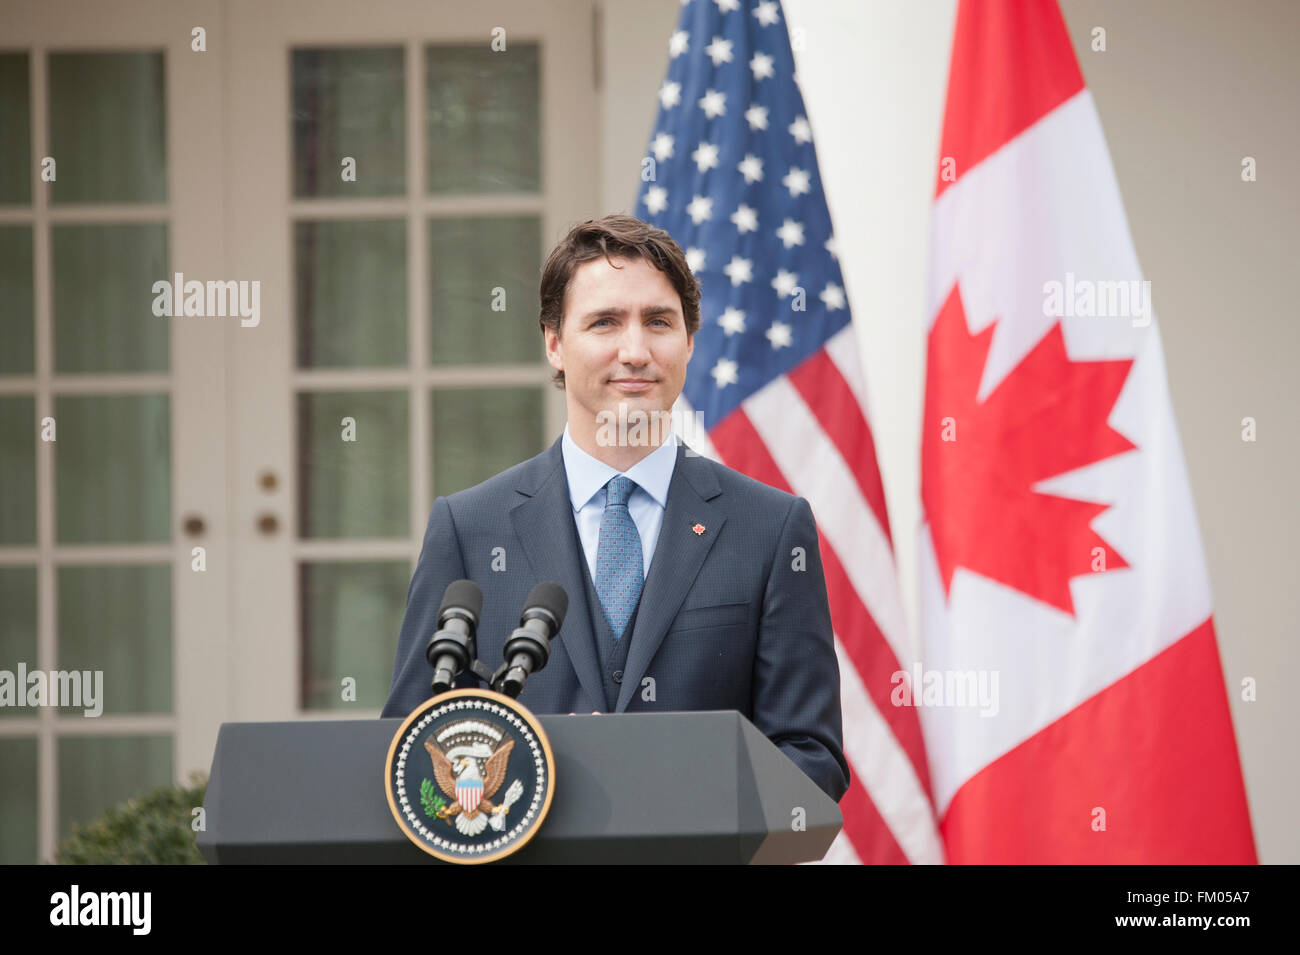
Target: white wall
1185,89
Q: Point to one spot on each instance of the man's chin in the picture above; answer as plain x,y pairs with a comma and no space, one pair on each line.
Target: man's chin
632,409
644,403
628,425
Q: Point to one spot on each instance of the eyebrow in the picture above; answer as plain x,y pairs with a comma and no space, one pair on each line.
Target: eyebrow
647,312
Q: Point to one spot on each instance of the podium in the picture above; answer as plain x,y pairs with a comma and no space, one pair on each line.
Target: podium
640,788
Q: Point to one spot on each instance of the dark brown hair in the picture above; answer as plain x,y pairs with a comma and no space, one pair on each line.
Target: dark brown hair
616,236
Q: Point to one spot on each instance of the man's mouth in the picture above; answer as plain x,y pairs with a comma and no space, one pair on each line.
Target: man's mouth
632,384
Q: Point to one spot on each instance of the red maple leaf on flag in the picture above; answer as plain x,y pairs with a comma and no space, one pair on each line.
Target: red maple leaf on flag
1047,417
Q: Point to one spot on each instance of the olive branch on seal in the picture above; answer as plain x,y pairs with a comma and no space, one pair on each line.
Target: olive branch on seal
432,802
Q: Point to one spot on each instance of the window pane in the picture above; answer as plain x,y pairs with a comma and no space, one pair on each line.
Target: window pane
103,298
482,123
18,439
112,468
96,772
351,617
108,128
484,275
479,432
17,633
17,313
354,478
118,619
15,130
349,103
351,293
18,801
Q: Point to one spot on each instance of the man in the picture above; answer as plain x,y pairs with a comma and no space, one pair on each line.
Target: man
691,586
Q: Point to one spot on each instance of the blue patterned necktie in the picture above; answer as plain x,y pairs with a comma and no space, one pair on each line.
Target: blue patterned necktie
618,557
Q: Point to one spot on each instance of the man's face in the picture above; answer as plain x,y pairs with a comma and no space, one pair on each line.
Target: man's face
622,340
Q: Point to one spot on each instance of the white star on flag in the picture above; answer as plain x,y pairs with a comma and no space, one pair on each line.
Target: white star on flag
677,44
790,233
732,320
719,51
766,12
800,130
761,64
724,372
700,209
756,116
833,247
670,94
745,218
713,103
796,180
726,6
833,296
751,167
705,156
785,282
656,199
695,259
779,335
663,147
739,270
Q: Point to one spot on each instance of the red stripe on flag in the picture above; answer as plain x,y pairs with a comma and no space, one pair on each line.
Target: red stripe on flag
1012,64
867,830
833,404
1155,750
742,448
874,660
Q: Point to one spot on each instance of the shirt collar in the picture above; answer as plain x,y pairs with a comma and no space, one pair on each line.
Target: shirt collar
587,475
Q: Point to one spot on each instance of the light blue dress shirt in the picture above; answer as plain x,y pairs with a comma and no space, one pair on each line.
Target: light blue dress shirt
587,479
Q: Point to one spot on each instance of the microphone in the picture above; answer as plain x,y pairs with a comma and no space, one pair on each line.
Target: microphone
529,646
451,649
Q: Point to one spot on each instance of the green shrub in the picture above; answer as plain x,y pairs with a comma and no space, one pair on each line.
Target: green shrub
153,828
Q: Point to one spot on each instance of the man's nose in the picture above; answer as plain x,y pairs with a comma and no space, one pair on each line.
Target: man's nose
633,347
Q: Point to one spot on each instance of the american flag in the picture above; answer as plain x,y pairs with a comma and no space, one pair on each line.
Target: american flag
731,174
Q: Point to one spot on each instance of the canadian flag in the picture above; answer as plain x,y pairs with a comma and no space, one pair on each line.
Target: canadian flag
1071,696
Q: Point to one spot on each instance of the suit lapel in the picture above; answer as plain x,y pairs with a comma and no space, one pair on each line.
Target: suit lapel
678,556
543,522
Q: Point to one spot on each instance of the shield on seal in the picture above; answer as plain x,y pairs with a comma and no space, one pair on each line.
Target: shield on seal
468,794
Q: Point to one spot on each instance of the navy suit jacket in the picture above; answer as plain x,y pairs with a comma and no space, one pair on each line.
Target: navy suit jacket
734,618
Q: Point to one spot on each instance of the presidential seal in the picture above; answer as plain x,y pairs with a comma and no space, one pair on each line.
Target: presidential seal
469,776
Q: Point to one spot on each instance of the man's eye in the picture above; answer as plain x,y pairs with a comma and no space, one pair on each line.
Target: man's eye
602,321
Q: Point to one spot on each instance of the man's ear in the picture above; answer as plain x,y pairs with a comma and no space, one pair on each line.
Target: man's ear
554,350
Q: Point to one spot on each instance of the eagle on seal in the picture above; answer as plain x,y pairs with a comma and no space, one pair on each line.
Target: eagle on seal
460,766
